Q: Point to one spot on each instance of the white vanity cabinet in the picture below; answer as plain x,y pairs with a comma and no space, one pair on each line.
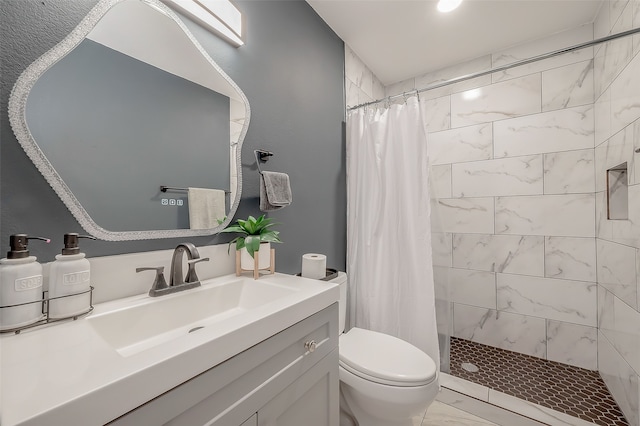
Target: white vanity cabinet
288,379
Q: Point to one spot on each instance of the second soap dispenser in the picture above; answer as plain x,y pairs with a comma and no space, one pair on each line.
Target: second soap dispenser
69,281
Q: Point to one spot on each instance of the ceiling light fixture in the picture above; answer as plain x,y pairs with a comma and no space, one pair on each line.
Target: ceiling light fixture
219,16
445,6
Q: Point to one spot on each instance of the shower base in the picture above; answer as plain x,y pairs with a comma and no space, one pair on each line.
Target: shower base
571,390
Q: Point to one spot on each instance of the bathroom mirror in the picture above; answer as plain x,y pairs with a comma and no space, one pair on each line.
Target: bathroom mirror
125,104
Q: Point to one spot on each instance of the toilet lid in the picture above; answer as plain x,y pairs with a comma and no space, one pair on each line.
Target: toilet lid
385,359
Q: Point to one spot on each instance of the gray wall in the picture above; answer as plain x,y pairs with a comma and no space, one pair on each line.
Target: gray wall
96,104
291,69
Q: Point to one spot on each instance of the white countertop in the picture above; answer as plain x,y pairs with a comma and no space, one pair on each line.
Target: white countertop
65,373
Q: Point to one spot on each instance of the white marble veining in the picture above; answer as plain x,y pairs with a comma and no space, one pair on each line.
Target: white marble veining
462,144
561,300
561,130
611,58
534,411
507,176
634,161
604,227
602,24
616,270
400,87
548,44
476,288
467,215
620,378
470,67
572,344
493,412
636,24
569,172
571,215
499,253
620,324
625,96
441,181
441,244
627,232
602,117
440,414
568,86
613,153
499,101
436,113
570,258
514,332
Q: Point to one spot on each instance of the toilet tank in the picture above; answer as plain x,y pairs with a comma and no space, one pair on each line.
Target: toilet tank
341,280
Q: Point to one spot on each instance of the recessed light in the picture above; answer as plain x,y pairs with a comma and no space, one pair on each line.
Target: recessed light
445,6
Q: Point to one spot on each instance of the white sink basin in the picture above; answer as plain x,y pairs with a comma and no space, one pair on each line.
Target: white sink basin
155,321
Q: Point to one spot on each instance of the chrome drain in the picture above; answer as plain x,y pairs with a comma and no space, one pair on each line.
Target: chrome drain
471,368
194,329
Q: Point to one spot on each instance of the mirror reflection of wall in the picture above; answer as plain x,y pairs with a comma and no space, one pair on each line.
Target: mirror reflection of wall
143,128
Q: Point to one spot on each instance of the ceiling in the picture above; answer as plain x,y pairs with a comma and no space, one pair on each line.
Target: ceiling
400,39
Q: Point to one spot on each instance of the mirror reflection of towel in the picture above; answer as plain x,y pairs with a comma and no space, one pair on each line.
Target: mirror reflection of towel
275,191
206,206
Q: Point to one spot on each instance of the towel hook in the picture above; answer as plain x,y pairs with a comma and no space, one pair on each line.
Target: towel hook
261,157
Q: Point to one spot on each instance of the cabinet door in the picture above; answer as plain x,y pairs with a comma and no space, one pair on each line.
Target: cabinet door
311,400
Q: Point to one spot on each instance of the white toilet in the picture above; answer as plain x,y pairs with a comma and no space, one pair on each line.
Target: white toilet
384,380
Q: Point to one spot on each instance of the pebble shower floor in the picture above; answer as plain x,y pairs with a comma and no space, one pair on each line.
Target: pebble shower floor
571,390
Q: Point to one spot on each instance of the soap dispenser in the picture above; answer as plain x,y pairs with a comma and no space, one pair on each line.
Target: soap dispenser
69,280
20,285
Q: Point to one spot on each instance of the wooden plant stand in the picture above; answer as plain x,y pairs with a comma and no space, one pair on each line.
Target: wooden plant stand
256,270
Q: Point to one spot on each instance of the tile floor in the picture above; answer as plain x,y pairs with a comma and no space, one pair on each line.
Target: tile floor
441,414
565,389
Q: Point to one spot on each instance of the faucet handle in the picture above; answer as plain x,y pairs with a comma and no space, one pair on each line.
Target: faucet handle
159,283
192,277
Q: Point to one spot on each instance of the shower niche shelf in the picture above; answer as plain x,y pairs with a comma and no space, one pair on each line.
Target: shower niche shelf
618,193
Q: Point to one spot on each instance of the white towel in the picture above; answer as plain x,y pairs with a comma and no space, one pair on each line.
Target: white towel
206,206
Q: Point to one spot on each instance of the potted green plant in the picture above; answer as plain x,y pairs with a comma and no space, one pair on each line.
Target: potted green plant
256,236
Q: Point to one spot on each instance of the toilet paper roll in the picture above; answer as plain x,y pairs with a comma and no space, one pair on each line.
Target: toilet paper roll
314,265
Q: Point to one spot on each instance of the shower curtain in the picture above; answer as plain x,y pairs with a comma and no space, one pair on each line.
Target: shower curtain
389,254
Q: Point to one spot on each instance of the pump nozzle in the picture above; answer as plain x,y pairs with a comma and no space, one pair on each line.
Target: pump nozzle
18,244
71,243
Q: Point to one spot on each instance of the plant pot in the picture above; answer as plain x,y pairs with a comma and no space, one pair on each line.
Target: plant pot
264,257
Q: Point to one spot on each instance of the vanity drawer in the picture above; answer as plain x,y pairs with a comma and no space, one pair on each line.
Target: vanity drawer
231,392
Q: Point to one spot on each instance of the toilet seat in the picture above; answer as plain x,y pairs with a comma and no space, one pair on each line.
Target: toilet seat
385,359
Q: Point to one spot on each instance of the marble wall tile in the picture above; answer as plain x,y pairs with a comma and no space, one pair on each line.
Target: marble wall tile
509,176
604,227
602,117
633,162
400,87
625,96
627,232
613,153
357,71
352,93
539,47
614,55
572,344
618,193
561,300
467,215
499,253
441,244
602,24
606,318
499,101
620,378
518,333
441,181
466,68
436,113
568,86
616,9
571,215
616,270
476,288
441,282
570,258
636,24
462,144
378,88
562,130
569,172
624,333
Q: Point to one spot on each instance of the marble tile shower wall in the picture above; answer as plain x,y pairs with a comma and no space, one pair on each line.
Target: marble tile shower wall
361,85
617,135
512,155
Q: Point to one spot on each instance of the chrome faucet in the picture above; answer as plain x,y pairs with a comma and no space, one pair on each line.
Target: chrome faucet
193,257
178,282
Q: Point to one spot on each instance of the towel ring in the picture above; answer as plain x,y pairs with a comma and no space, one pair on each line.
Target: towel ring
261,157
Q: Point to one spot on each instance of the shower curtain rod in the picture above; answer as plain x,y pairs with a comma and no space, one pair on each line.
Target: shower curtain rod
504,67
